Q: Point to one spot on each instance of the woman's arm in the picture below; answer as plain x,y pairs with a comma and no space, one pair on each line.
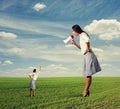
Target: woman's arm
74,43
88,47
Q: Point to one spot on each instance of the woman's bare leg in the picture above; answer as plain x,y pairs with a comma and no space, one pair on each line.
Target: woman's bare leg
87,85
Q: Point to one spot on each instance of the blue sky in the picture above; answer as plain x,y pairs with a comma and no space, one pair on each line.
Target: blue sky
32,33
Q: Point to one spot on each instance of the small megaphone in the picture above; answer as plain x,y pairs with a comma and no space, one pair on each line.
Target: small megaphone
69,38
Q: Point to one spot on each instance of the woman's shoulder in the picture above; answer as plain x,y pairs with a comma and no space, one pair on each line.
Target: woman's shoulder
84,35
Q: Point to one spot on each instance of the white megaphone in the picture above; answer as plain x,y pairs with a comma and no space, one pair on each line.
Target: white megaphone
66,41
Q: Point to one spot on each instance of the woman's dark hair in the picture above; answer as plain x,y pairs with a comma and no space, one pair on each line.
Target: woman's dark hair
78,29
34,70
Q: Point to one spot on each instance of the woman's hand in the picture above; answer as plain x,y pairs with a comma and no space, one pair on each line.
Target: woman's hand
89,50
74,43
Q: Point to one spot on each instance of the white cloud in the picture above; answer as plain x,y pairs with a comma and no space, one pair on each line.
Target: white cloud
40,49
7,62
58,70
17,72
37,27
98,49
99,52
70,62
55,54
110,54
105,29
13,51
108,57
18,51
106,65
7,35
39,6
51,70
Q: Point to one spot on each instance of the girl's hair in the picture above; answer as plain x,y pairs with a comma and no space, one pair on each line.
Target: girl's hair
78,29
34,70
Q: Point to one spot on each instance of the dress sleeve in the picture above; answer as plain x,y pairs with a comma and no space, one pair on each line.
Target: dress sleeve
38,71
86,38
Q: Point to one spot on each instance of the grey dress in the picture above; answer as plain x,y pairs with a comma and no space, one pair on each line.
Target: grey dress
91,64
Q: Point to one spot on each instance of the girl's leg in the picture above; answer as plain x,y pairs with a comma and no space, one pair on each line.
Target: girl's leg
34,92
31,92
87,85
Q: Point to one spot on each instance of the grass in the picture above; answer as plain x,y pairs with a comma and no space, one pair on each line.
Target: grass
60,93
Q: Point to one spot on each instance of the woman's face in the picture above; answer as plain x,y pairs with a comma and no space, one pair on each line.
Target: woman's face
75,33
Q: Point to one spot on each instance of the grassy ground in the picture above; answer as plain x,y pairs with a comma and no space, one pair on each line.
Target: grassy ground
60,93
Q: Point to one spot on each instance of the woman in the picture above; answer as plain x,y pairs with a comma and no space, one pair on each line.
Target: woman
91,64
33,77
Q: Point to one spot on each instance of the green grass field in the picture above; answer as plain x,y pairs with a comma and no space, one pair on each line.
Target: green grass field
60,93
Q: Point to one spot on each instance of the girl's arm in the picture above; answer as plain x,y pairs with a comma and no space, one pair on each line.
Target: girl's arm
29,76
40,68
74,43
38,71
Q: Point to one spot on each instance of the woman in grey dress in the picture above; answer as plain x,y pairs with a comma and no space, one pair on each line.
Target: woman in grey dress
91,64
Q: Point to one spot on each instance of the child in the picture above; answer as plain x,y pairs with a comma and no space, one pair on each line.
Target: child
91,64
33,77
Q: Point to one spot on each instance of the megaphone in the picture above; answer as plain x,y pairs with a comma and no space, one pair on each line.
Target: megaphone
69,38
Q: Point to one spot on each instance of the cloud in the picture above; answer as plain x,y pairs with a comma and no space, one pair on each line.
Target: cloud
16,72
66,60
7,62
51,70
18,51
54,54
104,29
111,53
98,49
13,51
37,27
6,4
58,70
42,50
39,6
8,35
106,65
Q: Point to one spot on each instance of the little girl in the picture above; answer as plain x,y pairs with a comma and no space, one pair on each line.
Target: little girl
33,77
91,64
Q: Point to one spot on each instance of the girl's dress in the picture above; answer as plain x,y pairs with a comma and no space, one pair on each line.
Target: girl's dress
34,77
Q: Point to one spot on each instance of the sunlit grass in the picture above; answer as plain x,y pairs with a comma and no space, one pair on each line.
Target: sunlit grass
60,93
